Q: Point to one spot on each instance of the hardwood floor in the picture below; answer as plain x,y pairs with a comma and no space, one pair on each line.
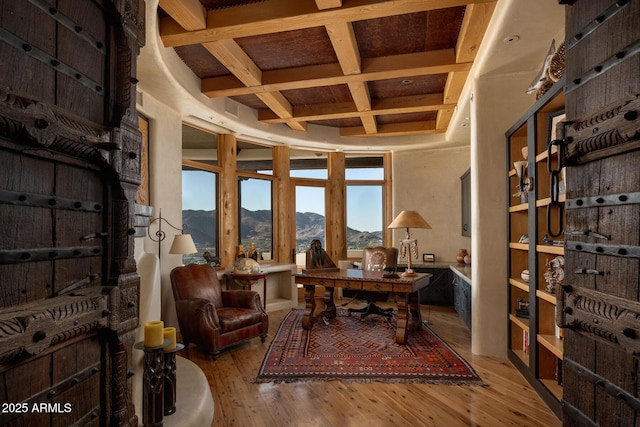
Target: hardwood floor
507,400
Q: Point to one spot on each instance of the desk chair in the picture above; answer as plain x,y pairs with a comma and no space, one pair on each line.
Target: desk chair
377,258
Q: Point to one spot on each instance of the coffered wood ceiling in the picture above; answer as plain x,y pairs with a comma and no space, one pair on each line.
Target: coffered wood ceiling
367,67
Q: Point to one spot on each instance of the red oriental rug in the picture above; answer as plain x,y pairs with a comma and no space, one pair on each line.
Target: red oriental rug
349,348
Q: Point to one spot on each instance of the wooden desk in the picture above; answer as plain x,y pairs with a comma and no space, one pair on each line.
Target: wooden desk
405,288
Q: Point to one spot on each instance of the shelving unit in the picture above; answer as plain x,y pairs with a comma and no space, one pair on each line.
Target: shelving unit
535,343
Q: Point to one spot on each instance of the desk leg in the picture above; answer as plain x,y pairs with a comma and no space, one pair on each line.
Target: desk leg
330,310
310,306
414,310
409,316
403,314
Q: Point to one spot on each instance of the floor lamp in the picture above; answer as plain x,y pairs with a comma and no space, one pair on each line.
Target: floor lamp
409,246
182,243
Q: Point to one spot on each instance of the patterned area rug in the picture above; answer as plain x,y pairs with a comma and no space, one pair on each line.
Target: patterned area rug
349,348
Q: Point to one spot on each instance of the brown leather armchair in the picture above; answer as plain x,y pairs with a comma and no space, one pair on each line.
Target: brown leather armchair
213,318
377,258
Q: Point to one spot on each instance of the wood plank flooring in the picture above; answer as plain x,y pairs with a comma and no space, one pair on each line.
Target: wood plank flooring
507,400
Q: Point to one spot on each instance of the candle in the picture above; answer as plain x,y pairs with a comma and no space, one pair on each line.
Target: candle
153,336
170,334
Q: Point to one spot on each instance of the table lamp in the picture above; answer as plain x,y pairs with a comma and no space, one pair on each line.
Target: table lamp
409,219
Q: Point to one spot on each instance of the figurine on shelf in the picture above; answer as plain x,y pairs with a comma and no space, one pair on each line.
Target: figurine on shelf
554,275
254,253
240,252
212,260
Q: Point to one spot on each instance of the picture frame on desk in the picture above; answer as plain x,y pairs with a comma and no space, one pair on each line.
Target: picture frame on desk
428,258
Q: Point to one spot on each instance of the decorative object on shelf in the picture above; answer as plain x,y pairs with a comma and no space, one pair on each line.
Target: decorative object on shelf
253,252
460,257
212,260
428,257
467,259
524,184
541,83
550,242
524,239
246,266
554,275
409,246
557,64
525,152
524,275
240,252
523,308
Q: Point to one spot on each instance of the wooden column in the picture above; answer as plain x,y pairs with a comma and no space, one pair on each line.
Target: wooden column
387,201
336,218
282,196
228,226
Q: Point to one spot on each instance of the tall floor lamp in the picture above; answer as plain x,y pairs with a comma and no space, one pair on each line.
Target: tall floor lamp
182,243
409,246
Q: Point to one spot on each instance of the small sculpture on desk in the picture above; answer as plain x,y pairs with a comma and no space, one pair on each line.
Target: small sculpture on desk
212,260
240,252
254,253
318,257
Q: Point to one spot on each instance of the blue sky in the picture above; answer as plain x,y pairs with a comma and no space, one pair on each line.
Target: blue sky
364,202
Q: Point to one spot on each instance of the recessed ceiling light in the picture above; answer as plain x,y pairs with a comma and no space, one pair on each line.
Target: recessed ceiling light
511,39
407,81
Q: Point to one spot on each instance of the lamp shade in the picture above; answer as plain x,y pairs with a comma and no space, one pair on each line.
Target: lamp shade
183,244
409,219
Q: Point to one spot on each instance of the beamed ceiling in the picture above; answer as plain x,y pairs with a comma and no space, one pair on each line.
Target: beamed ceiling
368,67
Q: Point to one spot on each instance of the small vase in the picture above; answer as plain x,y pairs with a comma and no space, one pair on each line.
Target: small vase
461,255
467,259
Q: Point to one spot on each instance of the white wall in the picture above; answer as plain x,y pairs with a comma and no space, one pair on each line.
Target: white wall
428,181
165,188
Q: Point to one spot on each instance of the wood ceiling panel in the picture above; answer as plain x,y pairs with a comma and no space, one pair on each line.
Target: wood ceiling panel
318,95
415,85
201,62
310,46
406,118
369,67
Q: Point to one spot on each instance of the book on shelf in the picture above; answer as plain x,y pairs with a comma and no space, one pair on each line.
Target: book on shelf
525,341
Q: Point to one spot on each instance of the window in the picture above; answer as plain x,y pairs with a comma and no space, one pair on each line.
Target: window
200,182
364,216
308,164
365,202
255,216
199,212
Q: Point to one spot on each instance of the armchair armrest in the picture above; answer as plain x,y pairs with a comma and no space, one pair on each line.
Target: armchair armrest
200,311
241,299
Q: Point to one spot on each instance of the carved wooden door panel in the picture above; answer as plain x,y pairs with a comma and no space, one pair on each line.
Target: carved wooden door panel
69,172
599,304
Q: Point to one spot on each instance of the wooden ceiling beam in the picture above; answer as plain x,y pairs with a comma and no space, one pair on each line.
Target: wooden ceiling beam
328,4
190,14
286,15
395,129
396,66
345,46
343,110
231,55
474,26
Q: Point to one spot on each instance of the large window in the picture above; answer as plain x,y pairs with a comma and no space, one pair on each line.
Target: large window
365,202
199,212
200,181
256,218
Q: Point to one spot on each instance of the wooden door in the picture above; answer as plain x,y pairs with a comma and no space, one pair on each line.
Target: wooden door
599,304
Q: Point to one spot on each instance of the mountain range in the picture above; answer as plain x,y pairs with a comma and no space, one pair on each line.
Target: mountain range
257,228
